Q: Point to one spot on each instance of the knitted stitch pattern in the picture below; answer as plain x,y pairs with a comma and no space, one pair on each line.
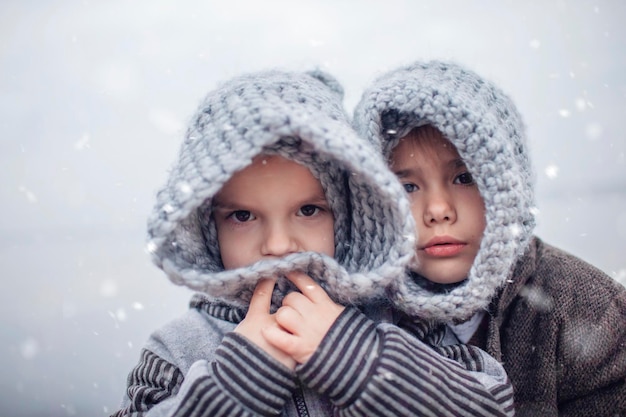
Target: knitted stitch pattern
484,125
298,116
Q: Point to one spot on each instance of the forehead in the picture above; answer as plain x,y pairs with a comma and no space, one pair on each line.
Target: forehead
271,166
269,172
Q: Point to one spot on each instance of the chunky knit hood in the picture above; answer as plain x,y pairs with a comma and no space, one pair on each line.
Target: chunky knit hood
484,125
298,116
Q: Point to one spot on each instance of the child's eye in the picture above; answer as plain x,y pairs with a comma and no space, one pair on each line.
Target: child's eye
410,188
241,216
465,179
309,210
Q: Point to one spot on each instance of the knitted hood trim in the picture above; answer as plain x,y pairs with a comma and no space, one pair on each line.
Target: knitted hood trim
484,125
298,116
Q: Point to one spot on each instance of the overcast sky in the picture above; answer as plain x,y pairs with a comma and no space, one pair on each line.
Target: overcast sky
95,95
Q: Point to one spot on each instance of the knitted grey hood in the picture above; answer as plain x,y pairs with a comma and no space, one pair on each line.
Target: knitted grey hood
484,125
299,116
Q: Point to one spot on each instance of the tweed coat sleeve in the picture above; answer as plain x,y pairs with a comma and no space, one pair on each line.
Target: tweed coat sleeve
590,308
560,329
378,369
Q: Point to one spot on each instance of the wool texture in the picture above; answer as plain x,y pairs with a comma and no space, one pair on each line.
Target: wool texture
558,327
299,116
488,132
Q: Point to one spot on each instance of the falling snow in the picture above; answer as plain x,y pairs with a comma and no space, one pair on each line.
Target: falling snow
83,142
151,247
585,340
552,171
119,315
70,410
537,299
29,348
580,104
30,196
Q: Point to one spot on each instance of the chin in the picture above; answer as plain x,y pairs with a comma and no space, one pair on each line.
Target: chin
446,281
441,277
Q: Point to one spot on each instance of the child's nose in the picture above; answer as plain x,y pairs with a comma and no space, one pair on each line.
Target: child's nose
439,209
278,240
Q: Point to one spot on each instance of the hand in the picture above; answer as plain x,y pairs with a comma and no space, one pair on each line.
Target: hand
258,318
303,320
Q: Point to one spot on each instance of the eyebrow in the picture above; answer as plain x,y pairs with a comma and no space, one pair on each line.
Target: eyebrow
404,172
317,199
457,163
314,199
218,205
454,163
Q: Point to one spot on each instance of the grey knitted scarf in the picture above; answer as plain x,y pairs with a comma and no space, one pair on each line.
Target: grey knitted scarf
484,125
300,117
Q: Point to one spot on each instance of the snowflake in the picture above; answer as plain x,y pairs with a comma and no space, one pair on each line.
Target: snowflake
29,348
552,171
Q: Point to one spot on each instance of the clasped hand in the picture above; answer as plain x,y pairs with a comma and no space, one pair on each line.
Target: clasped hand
291,334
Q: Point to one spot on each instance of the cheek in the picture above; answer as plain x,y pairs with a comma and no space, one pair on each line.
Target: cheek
476,209
234,251
227,253
416,212
325,239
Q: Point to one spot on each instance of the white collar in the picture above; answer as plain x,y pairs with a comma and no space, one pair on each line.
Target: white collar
464,331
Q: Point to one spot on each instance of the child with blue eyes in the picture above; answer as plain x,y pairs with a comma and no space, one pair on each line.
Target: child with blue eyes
291,229
457,143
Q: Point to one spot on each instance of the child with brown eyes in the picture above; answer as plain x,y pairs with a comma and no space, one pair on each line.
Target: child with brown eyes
291,229
557,324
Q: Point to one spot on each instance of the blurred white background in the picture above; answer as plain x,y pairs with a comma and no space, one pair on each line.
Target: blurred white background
95,95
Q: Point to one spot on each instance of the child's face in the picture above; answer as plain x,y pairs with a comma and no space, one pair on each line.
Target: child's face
270,209
448,209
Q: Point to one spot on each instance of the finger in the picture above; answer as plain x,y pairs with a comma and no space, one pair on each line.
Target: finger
262,297
289,319
280,339
307,286
296,300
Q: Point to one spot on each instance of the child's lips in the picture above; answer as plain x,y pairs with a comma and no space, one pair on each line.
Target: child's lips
443,246
444,250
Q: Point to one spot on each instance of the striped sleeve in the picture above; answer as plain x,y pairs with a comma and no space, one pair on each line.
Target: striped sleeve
241,381
150,382
370,369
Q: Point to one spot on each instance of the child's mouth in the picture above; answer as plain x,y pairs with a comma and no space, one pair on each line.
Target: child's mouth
445,249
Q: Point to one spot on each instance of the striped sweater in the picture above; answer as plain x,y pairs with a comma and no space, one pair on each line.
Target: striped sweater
196,366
